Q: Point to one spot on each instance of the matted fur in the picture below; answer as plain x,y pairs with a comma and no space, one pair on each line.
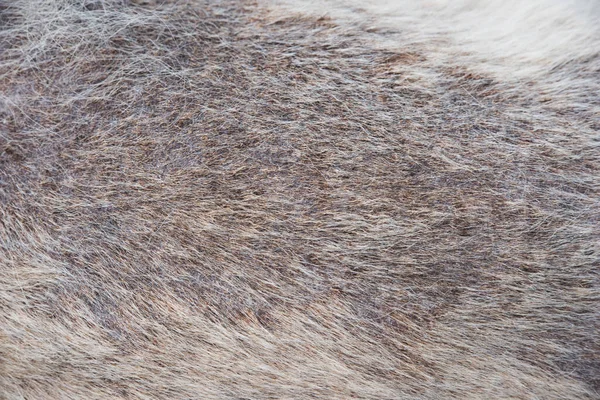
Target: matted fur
272,200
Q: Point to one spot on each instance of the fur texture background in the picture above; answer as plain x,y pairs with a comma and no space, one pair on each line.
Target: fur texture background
296,200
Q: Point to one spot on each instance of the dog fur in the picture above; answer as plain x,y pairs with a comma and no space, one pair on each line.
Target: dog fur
299,200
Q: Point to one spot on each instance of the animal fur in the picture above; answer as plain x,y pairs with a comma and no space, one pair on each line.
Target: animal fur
299,200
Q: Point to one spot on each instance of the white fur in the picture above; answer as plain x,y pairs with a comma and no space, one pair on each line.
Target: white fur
548,43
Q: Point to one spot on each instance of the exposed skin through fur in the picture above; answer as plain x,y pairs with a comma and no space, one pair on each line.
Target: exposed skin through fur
236,200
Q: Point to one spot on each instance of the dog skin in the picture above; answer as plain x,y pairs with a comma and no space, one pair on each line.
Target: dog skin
299,200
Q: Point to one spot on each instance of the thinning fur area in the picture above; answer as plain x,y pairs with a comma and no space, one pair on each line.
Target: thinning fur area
241,200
